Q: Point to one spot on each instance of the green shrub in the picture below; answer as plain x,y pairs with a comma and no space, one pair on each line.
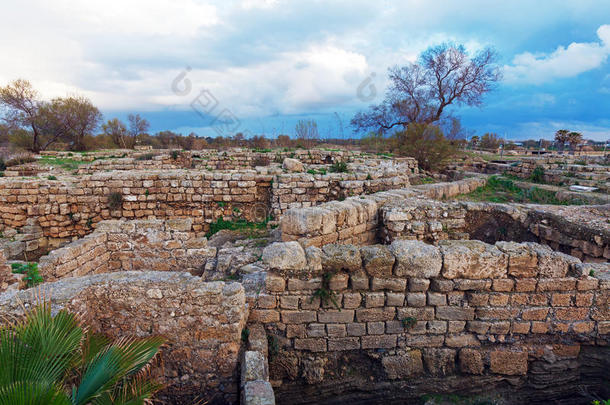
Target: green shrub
52,359
32,276
115,200
324,293
339,167
175,154
52,178
2,164
537,175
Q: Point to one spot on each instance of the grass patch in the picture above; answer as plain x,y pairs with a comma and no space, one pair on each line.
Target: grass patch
314,171
250,229
64,163
501,190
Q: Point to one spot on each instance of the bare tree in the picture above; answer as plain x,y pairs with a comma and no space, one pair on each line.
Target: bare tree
306,132
116,130
421,92
22,109
137,127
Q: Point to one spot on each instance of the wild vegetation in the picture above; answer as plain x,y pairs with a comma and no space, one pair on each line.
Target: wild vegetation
503,190
53,359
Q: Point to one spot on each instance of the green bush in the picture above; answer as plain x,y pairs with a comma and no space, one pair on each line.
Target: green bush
175,154
2,164
32,276
426,143
52,178
537,175
52,359
339,167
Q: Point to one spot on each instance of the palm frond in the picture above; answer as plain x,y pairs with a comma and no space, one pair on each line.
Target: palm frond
117,361
32,393
39,348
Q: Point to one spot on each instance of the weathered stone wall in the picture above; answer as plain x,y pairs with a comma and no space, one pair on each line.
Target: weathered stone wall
566,170
209,159
7,278
409,310
88,255
355,220
307,190
66,209
202,322
431,221
118,245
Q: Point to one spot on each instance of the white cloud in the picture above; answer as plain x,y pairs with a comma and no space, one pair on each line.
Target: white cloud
287,84
136,17
564,62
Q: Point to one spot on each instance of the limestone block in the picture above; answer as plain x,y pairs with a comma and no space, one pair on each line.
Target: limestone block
341,257
416,259
472,259
378,260
292,165
404,365
508,363
285,256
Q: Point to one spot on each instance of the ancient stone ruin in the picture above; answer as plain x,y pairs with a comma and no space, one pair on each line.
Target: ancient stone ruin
361,287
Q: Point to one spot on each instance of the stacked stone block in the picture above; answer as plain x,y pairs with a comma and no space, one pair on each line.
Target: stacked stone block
119,245
484,306
356,219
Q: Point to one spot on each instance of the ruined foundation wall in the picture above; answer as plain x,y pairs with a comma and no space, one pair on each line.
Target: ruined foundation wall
202,322
66,209
478,312
432,221
119,245
355,220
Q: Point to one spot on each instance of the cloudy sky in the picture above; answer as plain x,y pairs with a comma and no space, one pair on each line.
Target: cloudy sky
258,66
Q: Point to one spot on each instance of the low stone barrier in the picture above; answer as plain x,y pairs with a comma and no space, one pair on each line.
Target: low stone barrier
431,221
254,385
119,245
355,220
202,322
67,209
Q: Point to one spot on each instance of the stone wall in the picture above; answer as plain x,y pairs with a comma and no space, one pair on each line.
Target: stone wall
300,190
355,220
566,170
202,322
209,159
411,310
67,209
431,221
119,245
70,207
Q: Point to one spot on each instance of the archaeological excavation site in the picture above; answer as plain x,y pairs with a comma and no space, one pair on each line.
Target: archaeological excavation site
324,276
